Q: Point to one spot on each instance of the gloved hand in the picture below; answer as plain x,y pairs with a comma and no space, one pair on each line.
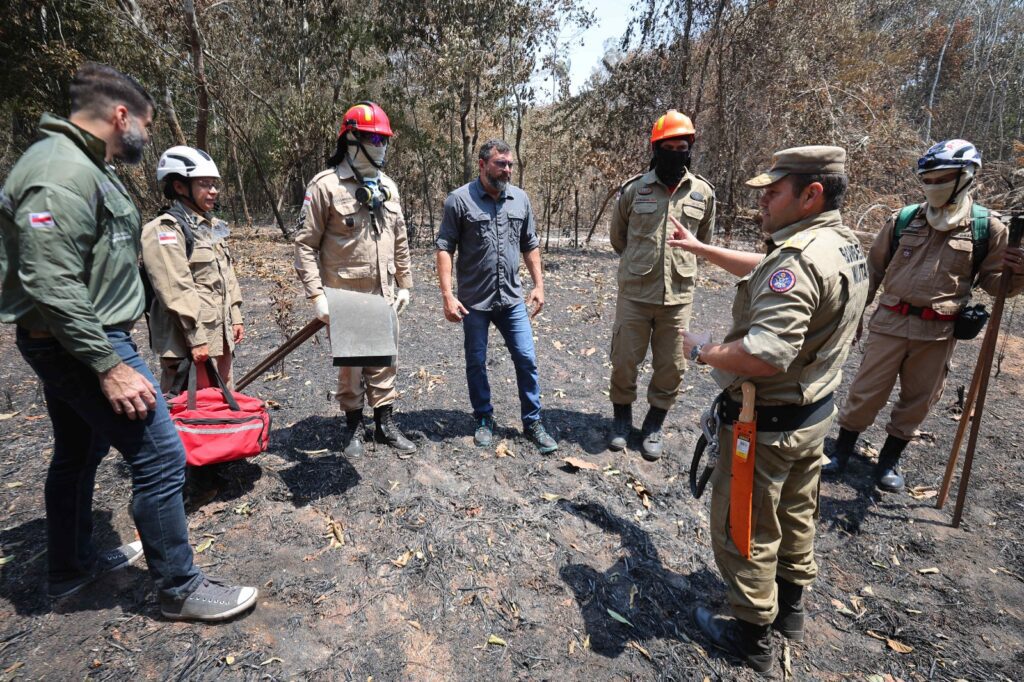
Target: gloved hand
401,300
320,309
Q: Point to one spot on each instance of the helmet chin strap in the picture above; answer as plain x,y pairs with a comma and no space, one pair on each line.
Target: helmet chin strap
957,189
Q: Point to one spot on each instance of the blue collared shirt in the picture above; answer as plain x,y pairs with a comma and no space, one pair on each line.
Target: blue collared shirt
489,235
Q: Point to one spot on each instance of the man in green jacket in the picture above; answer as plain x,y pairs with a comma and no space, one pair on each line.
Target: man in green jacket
70,282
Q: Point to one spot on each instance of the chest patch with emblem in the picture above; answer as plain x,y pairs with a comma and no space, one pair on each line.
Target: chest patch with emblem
782,280
907,251
645,190
696,196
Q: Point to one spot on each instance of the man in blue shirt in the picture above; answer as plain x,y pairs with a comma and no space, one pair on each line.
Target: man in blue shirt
490,222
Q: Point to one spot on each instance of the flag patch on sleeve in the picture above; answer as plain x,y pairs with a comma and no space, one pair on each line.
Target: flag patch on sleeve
41,221
167,237
307,200
782,280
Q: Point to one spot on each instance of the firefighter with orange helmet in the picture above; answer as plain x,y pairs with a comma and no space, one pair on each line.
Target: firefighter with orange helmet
655,283
352,236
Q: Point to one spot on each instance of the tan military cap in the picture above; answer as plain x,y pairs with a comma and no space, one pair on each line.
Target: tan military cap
813,159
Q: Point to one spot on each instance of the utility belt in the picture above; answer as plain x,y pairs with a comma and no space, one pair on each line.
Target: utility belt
967,322
780,417
907,310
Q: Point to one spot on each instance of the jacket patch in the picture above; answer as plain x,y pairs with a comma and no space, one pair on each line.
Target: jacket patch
41,221
696,196
782,280
167,237
307,200
645,190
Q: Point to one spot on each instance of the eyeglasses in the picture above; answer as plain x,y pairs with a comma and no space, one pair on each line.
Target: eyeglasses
504,164
208,184
376,139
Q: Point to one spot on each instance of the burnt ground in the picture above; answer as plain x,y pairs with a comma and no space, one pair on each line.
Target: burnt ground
465,564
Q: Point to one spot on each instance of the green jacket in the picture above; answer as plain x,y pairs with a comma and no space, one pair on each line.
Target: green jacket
71,238
649,270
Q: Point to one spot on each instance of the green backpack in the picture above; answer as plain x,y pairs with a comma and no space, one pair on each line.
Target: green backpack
979,234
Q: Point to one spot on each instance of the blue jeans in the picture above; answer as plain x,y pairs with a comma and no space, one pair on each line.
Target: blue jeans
84,428
514,324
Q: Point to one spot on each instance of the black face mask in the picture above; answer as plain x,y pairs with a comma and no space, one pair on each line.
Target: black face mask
670,166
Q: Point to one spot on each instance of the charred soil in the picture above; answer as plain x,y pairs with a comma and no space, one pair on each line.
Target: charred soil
470,564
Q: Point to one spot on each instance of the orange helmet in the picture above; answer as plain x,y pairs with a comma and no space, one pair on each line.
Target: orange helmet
366,117
672,124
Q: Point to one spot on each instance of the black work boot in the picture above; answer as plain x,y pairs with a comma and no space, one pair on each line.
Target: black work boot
749,642
790,620
386,431
352,437
652,449
621,425
887,475
840,454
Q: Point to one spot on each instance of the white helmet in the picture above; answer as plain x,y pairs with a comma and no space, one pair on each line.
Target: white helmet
187,162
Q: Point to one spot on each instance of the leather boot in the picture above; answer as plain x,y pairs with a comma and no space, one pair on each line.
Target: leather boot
386,431
621,426
790,620
841,452
353,434
652,448
749,642
887,475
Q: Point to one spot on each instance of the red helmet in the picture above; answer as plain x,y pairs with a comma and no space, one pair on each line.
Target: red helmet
366,117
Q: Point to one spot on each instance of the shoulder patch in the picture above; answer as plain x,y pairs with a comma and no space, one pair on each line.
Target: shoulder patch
630,181
799,241
782,280
166,237
41,221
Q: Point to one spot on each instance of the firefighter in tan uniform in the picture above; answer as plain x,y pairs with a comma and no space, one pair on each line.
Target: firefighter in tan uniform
196,310
352,236
794,317
925,272
655,282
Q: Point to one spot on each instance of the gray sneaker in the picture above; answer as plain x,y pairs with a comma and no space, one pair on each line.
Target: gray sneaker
112,560
211,601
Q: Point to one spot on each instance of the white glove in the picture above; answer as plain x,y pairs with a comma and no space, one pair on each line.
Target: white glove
401,300
320,309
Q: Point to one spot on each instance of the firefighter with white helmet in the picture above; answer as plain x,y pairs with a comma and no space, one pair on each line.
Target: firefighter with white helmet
196,308
924,263
352,236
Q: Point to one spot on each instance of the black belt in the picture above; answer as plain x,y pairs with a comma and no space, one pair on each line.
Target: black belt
781,417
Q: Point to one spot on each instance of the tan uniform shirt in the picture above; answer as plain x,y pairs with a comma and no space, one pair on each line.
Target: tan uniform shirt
931,269
648,271
198,298
798,311
339,243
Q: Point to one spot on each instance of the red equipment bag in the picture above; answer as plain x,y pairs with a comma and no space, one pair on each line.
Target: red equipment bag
216,424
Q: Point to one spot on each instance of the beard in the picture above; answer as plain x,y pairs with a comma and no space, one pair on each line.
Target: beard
499,181
133,141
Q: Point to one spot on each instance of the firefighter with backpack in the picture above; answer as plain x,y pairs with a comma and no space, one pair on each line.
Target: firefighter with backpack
926,260
196,307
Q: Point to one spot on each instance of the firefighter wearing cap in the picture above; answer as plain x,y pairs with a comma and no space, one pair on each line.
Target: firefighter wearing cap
352,236
925,273
794,317
197,304
655,283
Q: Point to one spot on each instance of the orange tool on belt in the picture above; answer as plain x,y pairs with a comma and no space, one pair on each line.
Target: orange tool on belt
741,496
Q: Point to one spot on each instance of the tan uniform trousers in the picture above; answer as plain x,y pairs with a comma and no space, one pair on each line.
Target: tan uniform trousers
921,366
377,384
637,327
169,368
787,469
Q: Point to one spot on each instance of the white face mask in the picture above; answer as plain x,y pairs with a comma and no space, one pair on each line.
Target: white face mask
942,215
362,165
938,195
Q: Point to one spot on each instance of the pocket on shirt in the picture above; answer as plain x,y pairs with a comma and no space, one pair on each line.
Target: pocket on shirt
956,256
346,217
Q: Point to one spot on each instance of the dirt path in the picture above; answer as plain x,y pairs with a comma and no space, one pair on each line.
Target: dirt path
461,564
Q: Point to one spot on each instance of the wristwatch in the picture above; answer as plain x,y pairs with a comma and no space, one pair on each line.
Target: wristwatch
695,354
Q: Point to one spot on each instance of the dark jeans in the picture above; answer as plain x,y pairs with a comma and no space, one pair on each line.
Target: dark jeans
514,324
84,428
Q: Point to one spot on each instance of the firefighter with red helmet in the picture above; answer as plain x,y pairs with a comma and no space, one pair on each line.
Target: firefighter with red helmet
352,236
655,283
